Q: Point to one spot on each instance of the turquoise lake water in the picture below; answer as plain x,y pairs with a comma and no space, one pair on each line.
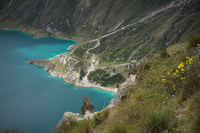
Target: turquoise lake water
31,99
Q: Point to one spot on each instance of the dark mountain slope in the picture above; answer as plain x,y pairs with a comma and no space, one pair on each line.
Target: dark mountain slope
125,31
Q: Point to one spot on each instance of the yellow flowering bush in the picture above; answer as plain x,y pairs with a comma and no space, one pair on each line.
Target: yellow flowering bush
190,60
175,78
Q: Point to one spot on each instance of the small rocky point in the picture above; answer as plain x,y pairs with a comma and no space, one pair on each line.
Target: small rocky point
75,116
42,63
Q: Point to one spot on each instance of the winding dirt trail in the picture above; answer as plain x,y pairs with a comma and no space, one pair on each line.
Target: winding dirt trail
152,14
91,68
98,43
85,82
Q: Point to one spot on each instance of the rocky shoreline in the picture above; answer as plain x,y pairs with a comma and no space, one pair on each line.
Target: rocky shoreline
71,77
132,80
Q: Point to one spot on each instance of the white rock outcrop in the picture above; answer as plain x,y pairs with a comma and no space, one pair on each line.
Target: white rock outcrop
131,80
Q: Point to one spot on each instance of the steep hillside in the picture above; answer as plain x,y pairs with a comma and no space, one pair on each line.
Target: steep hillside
114,34
165,98
86,18
147,25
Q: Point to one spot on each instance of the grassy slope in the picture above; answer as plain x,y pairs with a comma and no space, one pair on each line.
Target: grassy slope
155,102
160,101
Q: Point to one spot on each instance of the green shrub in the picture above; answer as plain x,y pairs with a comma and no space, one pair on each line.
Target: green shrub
68,126
82,74
87,127
97,75
156,121
183,79
118,78
99,117
73,126
193,41
83,127
191,84
118,127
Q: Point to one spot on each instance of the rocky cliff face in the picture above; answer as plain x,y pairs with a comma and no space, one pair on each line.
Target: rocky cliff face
67,116
131,80
69,76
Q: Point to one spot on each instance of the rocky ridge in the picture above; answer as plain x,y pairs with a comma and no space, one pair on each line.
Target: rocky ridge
75,116
132,80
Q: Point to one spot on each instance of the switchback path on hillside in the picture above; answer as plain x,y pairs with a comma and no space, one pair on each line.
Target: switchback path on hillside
91,68
152,14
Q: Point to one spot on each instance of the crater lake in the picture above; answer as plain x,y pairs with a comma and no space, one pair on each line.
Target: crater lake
30,98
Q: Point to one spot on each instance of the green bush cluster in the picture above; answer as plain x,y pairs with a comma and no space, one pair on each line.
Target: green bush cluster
68,126
82,74
104,79
84,127
98,76
73,126
184,79
99,117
